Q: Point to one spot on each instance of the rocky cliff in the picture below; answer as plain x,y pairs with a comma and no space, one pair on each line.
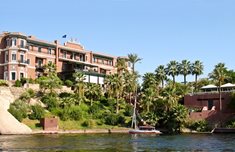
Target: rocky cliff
8,123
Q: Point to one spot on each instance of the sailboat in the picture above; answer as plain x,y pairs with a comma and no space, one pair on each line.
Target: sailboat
145,129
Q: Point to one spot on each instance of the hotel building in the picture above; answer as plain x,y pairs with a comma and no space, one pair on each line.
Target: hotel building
25,56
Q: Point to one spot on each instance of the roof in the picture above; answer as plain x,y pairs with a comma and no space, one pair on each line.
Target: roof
210,86
228,85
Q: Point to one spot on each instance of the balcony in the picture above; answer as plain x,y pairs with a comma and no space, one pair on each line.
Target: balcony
23,62
23,47
39,68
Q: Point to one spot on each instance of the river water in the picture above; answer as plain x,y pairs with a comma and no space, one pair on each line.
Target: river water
118,142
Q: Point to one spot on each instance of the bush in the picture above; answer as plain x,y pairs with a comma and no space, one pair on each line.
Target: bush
68,83
25,96
37,112
51,101
31,93
4,83
71,113
114,119
18,83
19,110
89,123
200,126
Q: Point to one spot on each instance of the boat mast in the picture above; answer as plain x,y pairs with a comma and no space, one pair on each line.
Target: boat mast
134,123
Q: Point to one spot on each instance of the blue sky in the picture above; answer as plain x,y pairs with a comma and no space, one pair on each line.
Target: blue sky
157,30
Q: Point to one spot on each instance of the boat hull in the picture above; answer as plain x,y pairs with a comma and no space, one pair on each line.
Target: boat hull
144,132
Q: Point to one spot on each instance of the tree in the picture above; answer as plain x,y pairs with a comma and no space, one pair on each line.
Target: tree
172,70
121,66
114,85
130,84
219,75
161,73
79,86
185,69
197,69
133,58
92,92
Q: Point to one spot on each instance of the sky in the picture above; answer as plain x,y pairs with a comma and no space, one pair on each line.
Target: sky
157,30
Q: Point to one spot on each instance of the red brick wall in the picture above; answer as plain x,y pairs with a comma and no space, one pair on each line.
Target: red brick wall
50,124
201,100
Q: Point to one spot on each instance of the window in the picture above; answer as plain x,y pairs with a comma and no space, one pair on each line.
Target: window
39,62
94,59
39,49
22,43
13,56
13,41
110,62
21,75
6,56
5,75
49,51
28,61
81,57
13,75
21,58
64,54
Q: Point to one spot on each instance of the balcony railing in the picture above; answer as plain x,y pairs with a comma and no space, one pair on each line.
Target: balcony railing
23,47
23,62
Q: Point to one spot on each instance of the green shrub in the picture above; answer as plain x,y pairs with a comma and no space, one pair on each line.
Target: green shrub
25,96
23,81
38,112
68,83
65,94
19,110
230,124
51,101
89,123
3,83
18,83
114,119
71,113
200,126
31,93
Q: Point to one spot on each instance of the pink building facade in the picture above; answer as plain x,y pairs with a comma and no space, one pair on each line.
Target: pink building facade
24,56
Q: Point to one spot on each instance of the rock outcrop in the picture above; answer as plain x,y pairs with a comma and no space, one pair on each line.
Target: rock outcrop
8,123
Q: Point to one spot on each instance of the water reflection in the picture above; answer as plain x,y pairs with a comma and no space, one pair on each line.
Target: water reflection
117,142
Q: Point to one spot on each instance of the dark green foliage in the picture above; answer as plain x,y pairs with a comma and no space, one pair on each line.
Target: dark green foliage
65,94
19,110
18,83
114,119
89,123
51,101
68,83
71,113
128,110
23,81
38,112
200,126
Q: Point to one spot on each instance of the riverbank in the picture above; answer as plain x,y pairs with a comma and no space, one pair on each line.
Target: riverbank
82,131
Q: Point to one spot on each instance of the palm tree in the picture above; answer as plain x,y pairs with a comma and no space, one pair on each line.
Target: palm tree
219,74
114,85
133,58
149,80
79,86
185,69
197,69
129,84
49,68
161,73
92,92
121,65
172,70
